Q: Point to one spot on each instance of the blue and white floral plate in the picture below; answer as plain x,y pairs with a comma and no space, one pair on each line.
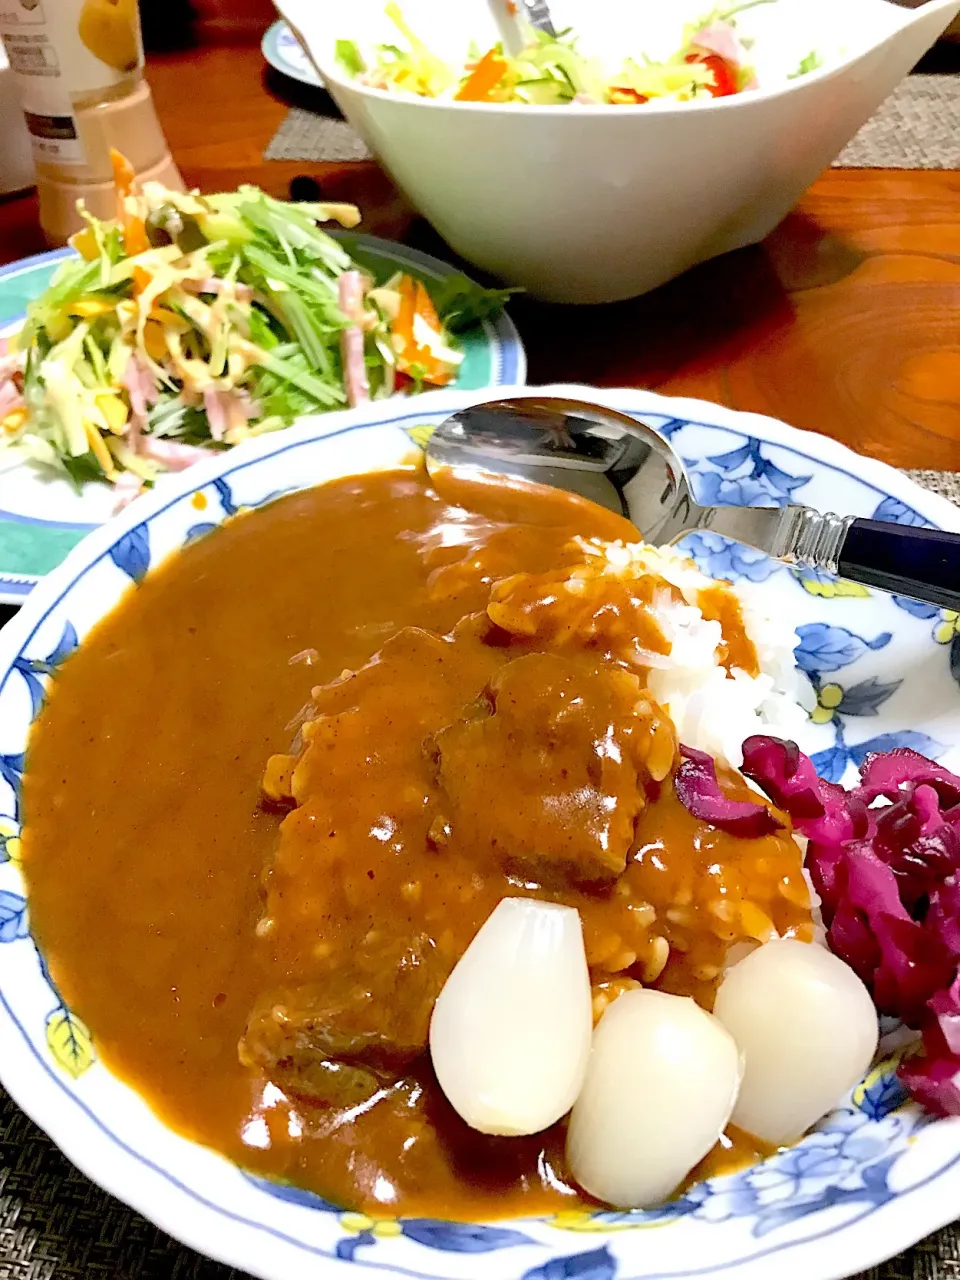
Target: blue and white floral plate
42,516
875,1176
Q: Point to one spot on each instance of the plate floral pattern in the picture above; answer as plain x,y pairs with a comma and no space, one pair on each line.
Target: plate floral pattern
873,1177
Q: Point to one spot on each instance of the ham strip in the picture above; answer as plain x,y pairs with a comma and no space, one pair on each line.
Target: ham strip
171,454
213,403
141,389
722,40
126,487
350,295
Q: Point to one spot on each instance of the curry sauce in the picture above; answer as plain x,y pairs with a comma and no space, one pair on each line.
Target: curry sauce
275,793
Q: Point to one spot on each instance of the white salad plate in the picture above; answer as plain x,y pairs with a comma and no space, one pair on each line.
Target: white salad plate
43,515
875,1176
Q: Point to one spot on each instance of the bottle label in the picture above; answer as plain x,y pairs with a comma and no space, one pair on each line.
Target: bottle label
64,50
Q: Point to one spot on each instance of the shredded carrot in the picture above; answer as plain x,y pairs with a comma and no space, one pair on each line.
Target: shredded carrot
124,177
483,79
426,310
100,450
134,229
402,327
135,238
141,279
412,358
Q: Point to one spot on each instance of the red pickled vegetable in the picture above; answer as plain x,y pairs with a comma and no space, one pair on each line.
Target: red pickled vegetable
934,1082
820,810
945,1007
698,790
943,914
888,773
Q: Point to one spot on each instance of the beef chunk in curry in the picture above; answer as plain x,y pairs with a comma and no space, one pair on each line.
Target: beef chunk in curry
547,775
340,1039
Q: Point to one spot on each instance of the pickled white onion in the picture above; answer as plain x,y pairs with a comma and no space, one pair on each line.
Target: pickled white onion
510,1034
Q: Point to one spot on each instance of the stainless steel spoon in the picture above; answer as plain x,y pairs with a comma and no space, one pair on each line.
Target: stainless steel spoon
626,467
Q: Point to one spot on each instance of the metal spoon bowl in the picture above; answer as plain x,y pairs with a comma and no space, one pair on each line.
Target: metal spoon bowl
625,466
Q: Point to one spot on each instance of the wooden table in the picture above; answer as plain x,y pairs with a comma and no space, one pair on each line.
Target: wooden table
846,321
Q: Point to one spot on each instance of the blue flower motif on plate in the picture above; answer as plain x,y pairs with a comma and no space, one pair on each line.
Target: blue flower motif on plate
431,1233
31,669
13,916
847,1161
743,477
11,771
898,512
461,1237
720,558
131,553
596,1264
882,1095
916,608
826,648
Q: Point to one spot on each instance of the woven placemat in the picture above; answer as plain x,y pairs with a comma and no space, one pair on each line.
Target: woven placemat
308,135
918,127
55,1224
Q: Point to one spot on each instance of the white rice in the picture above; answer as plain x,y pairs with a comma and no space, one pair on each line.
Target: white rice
712,708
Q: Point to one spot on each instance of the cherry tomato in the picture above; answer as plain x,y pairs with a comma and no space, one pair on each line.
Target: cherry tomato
724,73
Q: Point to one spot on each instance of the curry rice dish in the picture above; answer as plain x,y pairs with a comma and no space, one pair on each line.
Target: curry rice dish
294,772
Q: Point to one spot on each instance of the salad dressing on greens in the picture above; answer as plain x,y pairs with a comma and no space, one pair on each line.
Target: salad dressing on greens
195,322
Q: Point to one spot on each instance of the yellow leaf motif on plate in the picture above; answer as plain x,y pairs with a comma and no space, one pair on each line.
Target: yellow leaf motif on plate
356,1223
605,1221
9,841
834,589
420,435
70,1042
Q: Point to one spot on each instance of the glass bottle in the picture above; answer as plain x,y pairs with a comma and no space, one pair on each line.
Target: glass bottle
79,71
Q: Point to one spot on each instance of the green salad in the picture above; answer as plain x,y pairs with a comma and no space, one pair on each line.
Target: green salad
195,322
711,61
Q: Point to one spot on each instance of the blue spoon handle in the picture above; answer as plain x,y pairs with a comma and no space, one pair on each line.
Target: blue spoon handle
922,563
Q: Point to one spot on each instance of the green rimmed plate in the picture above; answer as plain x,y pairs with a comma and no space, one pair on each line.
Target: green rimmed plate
42,517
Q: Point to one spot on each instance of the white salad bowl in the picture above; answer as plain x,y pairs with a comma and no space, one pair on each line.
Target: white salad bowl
877,1173
585,203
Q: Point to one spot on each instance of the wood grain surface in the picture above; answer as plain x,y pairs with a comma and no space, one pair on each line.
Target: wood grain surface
846,321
